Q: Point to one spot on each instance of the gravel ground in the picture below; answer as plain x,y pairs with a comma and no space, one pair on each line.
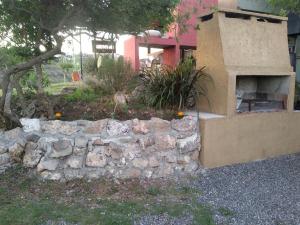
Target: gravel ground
259,193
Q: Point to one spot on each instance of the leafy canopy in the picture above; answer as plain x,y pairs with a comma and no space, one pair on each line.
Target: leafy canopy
286,5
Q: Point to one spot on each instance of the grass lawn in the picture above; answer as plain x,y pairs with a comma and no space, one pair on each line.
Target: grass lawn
28,201
56,88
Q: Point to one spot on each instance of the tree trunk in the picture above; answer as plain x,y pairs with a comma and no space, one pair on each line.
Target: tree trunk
39,78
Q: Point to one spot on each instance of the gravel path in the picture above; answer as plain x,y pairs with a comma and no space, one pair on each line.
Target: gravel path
259,193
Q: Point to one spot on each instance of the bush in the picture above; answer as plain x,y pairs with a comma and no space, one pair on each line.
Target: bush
82,94
165,87
114,74
29,82
89,66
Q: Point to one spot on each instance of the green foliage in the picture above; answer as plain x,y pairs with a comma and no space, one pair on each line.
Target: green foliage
167,87
29,82
66,66
114,74
286,6
89,66
82,94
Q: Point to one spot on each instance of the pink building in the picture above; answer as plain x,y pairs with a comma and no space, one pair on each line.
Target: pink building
176,41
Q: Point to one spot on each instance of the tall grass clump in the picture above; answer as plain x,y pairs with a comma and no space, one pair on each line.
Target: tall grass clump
174,88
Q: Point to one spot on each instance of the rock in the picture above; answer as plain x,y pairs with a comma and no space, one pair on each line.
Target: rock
75,162
116,128
153,162
171,158
115,151
97,142
139,127
184,159
120,99
159,125
92,173
32,155
148,174
186,124
33,138
188,144
61,148
165,142
97,157
165,171
4,159
16,152
74,174
146,142
140,163
191,167
79,151
57,126
30,125
131,173
15,135
47,164
195,155
3,147
81,141
96,127
55,176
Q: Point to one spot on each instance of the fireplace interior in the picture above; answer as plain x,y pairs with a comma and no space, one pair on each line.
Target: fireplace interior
261,93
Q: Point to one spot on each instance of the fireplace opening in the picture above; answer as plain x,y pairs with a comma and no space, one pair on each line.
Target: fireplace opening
261,93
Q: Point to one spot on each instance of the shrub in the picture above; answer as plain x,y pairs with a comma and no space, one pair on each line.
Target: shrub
82,94
165,87
114,74
89,66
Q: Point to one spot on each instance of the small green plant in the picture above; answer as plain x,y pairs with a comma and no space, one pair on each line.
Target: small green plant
174,88
82,94
154,191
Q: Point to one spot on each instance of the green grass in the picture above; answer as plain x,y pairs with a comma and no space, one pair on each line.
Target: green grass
28,201
55,89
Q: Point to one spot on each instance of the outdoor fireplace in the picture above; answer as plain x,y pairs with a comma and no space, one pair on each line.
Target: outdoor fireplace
261,93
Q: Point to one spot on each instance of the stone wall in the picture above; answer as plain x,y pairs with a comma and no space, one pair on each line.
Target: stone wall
58,150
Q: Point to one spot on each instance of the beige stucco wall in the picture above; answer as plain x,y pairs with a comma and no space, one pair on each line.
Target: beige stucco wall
245,138
231,47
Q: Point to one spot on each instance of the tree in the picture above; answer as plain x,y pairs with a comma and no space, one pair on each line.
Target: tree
286,5
32,23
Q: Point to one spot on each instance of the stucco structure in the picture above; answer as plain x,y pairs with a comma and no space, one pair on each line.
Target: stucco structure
233,45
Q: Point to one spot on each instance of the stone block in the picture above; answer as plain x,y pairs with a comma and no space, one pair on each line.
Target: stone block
32,155
186,124
81,141
4,159
153,162
55,176
71,174
96,127
61,148
116,128
146,141
30,125
140,127
47,164
159,125
164,142
189,144
184,159
16,152
140,163
74,162
97,158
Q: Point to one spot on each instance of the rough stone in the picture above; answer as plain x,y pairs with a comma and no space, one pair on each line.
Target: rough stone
140,127
75,162
146,142
97,157
71,174
171,158
33,138
97,142
159,125
30,125
115,151
92,173
116,128
62,127
47,164
16,135
195,155
3,147
148,174
16,152
79,151
140,163
191,167
96,127
186,124
165,170
165,142
61,148
153,162
131,173
81,141
184,159
32,155
4,159
55,176
188,144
